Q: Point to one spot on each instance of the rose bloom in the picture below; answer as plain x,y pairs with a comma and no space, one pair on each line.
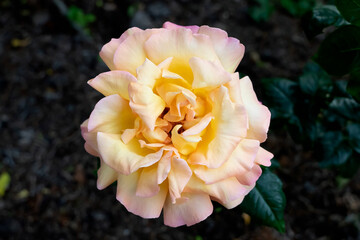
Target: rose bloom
177,128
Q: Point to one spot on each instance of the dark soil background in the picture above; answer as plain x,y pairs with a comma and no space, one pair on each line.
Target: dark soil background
45,63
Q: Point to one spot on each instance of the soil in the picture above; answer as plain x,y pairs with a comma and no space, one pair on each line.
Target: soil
45,62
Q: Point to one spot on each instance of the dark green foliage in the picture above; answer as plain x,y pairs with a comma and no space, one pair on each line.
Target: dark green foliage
262,11
266,202
350,9
321,17
339,53
297,8
319,113
78,17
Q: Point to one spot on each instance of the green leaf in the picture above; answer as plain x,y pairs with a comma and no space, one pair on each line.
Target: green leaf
313,78
280,93
350,9
266,202
297,8
335,150
319,18
353,130
346,107
339,53
4,183
262,11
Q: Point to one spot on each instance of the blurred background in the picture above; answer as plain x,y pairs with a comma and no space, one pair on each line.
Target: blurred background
48,51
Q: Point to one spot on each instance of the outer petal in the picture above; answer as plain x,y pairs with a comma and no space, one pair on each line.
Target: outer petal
181,44
108,50
147,185
106,175
259,115
179,176
250,177
90,139
263,157
236,202
207,74
224,191
240,162
225,133
145,103
195,209
130,53
229,50
170,25
125,159
113,82
145,207
111,114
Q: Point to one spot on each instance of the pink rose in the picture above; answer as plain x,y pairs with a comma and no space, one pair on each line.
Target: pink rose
177,128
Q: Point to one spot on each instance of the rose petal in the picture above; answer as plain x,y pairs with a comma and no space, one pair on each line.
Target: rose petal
179,176
195,209
125,159
263,157
113,82
106,175
108,50
184,144
224,133
144,207
145,103
250,177
148,73
147,185
241,160
207,74
164,167
111,114
170,25
90,139
229,50
182,45
259,115
130,53
224,191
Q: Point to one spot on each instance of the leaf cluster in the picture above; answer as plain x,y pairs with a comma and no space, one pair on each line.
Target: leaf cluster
319,113
263,9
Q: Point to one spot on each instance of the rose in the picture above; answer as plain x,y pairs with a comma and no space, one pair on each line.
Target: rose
177,128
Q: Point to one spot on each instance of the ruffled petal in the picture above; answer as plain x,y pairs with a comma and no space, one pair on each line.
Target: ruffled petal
148,73
224,191
184,144
130,53
111,114
263,157
224,133
90,139
182,45
241,160
207,74
196,208
108,50
125,158
149,207
106,175
229,50
250,177
145,103
113,82
259,115
147,185
170,25
179,176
